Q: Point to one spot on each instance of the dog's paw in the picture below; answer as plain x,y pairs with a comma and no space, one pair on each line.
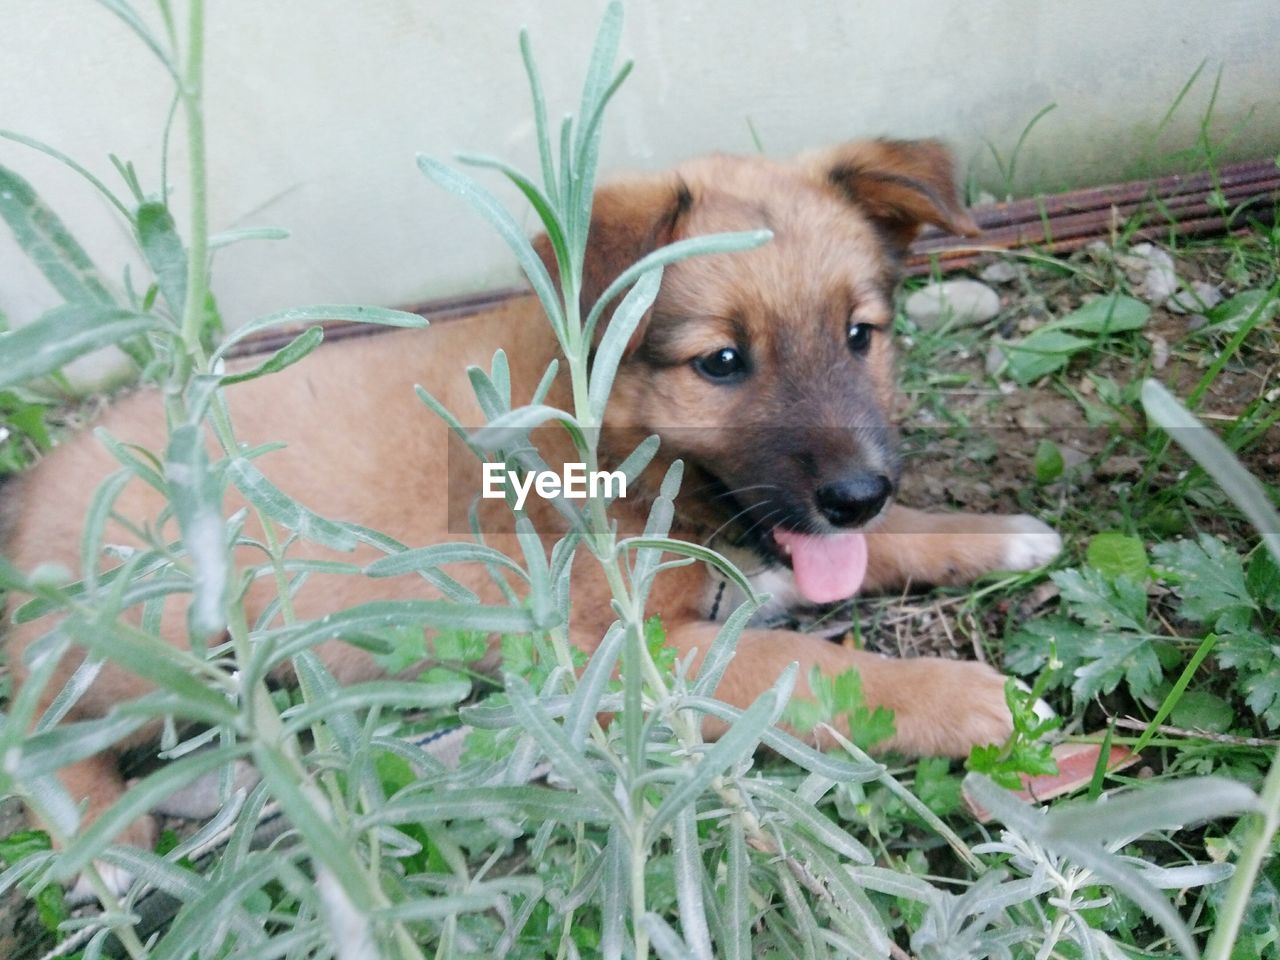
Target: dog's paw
1029,543
142,833
947,707
981,711
117,879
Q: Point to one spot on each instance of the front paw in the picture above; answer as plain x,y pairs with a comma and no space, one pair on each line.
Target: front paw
1028,543
944,708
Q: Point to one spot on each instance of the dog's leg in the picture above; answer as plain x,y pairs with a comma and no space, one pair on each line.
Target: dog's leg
940,707
912,546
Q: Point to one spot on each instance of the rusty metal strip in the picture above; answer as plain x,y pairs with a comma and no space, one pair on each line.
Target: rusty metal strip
1177,205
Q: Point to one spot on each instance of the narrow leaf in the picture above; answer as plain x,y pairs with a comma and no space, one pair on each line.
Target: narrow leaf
293,351
63,334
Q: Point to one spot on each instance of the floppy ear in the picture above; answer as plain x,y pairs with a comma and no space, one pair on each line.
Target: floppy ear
629,219
900,184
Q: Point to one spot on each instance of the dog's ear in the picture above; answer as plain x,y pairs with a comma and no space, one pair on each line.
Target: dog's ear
900,184
629,219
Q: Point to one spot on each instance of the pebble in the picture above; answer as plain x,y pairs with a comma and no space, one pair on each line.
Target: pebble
995,359
1002,271
964,301
1161,280
1120,467
1202,296
1159,350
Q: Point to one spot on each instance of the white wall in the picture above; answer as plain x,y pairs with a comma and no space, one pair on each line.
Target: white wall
316,109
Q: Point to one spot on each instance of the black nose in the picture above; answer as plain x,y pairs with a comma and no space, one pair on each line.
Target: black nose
855,499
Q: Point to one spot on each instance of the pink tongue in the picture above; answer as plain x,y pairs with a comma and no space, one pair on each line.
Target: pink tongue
827,568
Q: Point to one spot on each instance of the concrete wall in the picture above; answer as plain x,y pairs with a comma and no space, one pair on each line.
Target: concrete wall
317,107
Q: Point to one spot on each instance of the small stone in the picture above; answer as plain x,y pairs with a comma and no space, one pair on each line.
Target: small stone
1202,296
1002,271
995,360
1118,468
1071,457
1159,350
1196,322
963,301
1160,281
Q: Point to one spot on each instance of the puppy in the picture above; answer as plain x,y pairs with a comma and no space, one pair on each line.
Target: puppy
770,373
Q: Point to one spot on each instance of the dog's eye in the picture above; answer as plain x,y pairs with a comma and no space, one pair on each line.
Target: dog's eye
860,337
724,364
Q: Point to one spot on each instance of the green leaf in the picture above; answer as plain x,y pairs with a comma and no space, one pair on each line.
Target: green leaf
617,336
293,351
63,334
1086,853
1110,314
286,511
1118,555
838,696
1245,491
803,815
673,252
1263,580
47,752
1202,710
422,559
737,743
1109,605
45,239
378,693
135,802
1048,463
380,614
228,237
511,428
163,250
684,548
196,494
1228,316
567,760
307,814
1146,809
487,205
318,314
1041,352
1209,576
414,805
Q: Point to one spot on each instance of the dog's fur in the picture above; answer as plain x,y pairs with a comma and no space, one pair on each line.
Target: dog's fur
362,447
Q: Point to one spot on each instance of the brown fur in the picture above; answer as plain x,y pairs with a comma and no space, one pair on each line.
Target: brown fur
362,448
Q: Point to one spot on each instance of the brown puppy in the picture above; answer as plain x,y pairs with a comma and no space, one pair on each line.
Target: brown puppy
769,372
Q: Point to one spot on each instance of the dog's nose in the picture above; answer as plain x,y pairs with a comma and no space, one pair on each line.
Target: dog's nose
855,499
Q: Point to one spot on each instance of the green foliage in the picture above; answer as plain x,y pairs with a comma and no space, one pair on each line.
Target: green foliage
24,430
1107,635
1027,751
1052,346
841,696
49,898
1047,463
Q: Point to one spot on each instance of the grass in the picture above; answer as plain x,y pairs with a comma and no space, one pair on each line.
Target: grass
1155,629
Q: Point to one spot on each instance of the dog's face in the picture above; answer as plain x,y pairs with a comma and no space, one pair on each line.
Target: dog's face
770,372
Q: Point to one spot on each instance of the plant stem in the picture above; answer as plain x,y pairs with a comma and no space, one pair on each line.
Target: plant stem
192,90
1256,848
